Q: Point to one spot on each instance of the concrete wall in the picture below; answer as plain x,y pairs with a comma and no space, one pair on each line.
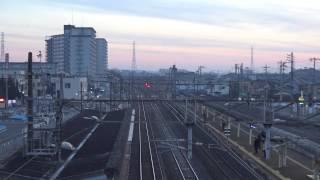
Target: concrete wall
71,87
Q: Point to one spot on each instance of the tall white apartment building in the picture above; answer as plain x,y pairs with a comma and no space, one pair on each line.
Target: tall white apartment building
102,57
78,52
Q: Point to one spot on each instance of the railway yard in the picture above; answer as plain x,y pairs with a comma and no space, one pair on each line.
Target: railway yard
149,140
159,149
155,147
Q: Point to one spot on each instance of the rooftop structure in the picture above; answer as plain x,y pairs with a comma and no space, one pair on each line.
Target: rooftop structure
16,69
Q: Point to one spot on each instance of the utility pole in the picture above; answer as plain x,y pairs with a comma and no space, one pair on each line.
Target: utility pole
236,69
6,79
3,74
186,112
316,167
189,125
282,72
58,138
41,75
280,68
268,118
110,95
121,88
29,106
266,67
290,59
314,60
200,70
241,71
173,74
81,96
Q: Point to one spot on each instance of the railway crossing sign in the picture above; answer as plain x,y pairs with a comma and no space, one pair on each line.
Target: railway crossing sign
227,131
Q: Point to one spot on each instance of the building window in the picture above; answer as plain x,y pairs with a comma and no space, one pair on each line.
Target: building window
67,85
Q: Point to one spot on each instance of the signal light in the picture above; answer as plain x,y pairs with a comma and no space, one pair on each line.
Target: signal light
2,99
147,85
252,125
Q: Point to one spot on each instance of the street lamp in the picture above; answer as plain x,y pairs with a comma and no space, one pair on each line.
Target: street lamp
67,145
93,118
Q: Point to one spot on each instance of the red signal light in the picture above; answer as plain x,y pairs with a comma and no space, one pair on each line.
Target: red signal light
147,85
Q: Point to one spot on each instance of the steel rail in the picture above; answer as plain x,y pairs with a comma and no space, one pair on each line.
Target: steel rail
149,144
156,149
178,165
226,174
140,146
181,156
230,151
235,156
18,169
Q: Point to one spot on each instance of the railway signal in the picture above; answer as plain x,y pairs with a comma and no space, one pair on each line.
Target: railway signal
147,85
251,126
2,101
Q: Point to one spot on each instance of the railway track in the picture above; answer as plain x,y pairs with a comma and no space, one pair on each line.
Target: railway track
34,168
225,162
157,157
183,166
146,162
145,159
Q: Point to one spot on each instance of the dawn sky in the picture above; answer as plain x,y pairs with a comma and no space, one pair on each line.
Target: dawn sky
213,33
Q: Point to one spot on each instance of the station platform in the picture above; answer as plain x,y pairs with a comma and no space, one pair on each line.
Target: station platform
298,166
